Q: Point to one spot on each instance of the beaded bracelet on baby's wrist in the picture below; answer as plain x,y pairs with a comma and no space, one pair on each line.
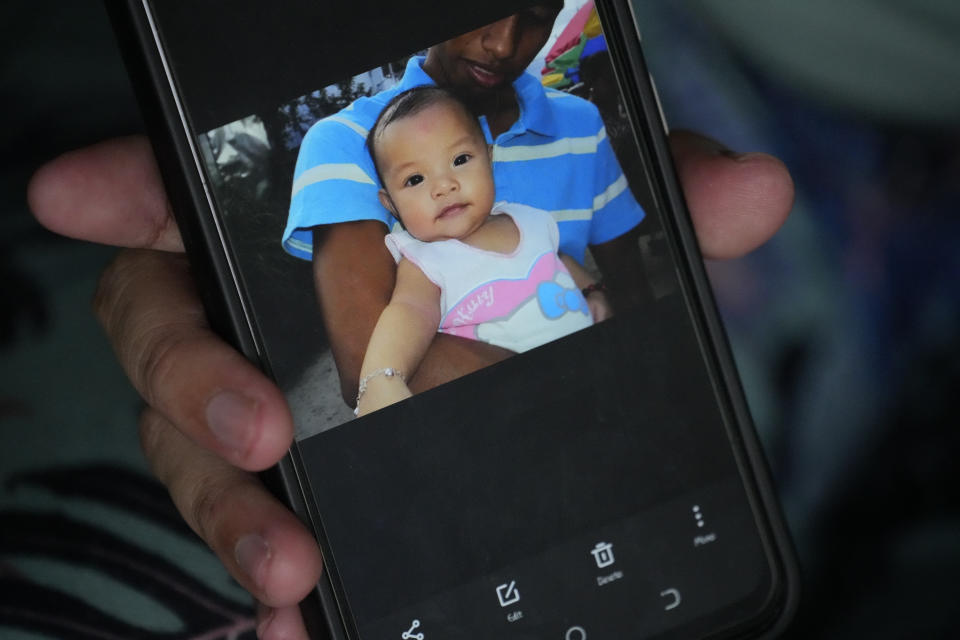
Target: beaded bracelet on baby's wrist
388,372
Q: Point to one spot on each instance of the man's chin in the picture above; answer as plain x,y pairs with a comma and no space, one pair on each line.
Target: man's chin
475,94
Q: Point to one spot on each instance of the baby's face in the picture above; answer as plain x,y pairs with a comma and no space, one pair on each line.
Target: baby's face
436,170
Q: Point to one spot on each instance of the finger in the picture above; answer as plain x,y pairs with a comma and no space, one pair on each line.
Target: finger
110,193
147,303
737,201
260,542
284,623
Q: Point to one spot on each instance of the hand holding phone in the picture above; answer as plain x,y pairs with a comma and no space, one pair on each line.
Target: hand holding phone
697,167
112,194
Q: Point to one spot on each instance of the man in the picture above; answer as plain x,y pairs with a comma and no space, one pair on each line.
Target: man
214,417
550,152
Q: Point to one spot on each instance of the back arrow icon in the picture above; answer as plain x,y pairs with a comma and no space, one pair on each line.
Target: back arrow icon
674,595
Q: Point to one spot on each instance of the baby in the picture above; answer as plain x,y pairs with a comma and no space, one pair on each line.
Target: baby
465,266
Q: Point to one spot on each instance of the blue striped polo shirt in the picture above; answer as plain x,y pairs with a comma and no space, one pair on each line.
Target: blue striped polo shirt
555,157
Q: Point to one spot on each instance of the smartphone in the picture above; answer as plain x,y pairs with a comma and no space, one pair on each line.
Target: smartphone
599,481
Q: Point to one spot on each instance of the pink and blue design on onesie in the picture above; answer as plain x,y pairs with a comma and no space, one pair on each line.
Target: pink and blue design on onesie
517,300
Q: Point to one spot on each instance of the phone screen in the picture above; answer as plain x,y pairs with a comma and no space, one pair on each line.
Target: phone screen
589,484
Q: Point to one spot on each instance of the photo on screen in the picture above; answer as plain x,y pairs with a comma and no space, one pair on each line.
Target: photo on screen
539,224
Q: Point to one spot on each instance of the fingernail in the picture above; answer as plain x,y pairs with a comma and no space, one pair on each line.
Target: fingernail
727,153
720,149
230,417
253,554
716,148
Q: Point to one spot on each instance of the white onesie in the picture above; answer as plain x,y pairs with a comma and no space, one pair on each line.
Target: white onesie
517,300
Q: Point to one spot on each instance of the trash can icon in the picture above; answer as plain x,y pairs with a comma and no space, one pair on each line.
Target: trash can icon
603,554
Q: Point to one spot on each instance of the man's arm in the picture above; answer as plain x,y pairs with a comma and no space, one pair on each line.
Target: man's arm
599,305
354,275
623,271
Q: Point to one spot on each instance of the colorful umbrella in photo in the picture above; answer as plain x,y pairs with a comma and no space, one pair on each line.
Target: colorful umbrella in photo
570,36
582,34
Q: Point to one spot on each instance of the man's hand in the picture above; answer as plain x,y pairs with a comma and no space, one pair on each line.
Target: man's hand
213,417
600,308
737,200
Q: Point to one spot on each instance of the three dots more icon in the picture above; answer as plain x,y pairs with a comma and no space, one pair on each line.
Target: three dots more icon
697,515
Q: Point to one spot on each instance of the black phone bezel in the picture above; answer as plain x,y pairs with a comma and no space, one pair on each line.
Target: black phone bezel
624,40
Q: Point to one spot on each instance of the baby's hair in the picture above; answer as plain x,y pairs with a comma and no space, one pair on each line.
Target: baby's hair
409,103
